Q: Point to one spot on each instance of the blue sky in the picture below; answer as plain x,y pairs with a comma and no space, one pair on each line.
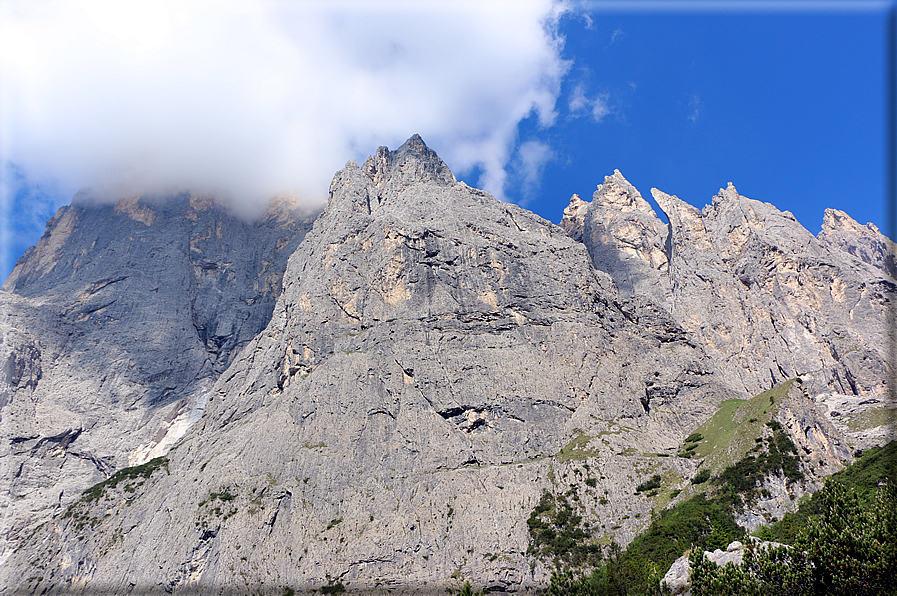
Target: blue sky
789,106
532,100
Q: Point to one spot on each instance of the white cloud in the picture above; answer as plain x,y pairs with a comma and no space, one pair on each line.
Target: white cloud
532,156
696,106
581,105
600,107
617,34
259,97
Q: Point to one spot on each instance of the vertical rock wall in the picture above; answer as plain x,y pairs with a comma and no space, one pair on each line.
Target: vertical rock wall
114,328
766,299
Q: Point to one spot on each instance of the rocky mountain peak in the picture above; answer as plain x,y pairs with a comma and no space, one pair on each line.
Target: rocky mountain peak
117,323
684,218
864,242
618,193
729,193
410,163
739,270
836,220
623,233
437,365
574,217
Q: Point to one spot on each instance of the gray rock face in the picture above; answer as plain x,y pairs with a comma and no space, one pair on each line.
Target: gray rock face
766,299
865,243
625,238
771,303
574,217
436,361
114,327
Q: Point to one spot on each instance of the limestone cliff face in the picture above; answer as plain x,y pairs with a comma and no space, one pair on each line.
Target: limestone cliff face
114,327
865,243
766,299
626,239
436,361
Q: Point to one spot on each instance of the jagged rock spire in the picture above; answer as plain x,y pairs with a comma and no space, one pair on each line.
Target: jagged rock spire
574,217
624,236
739,271
412,162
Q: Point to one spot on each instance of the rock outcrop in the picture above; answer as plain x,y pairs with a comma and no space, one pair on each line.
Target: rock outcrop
865,243
766,299
627,240
114,328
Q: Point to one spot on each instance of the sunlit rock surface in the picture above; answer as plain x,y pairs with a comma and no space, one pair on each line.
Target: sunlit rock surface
766,299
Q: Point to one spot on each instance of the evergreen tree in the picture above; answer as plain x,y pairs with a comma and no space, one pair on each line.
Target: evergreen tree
848,549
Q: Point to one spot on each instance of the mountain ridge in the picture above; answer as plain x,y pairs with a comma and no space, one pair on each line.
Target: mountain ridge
367,424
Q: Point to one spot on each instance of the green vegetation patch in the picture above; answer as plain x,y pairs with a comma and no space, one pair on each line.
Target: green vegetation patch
334,522
875,467
665,496
717,432
651,484
730,433
557,533
694,437
698,522
740,482
223,495
142,471
870,419
576,449
701,477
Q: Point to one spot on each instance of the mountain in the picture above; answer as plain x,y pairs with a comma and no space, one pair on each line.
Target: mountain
436,365
114,328
766,299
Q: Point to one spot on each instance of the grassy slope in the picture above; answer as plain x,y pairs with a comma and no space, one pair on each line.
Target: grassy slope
730,433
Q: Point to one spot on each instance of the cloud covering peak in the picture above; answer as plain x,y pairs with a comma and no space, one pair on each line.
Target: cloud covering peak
255,98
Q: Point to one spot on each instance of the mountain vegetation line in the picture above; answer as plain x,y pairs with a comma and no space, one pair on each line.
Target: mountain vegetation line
842,540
